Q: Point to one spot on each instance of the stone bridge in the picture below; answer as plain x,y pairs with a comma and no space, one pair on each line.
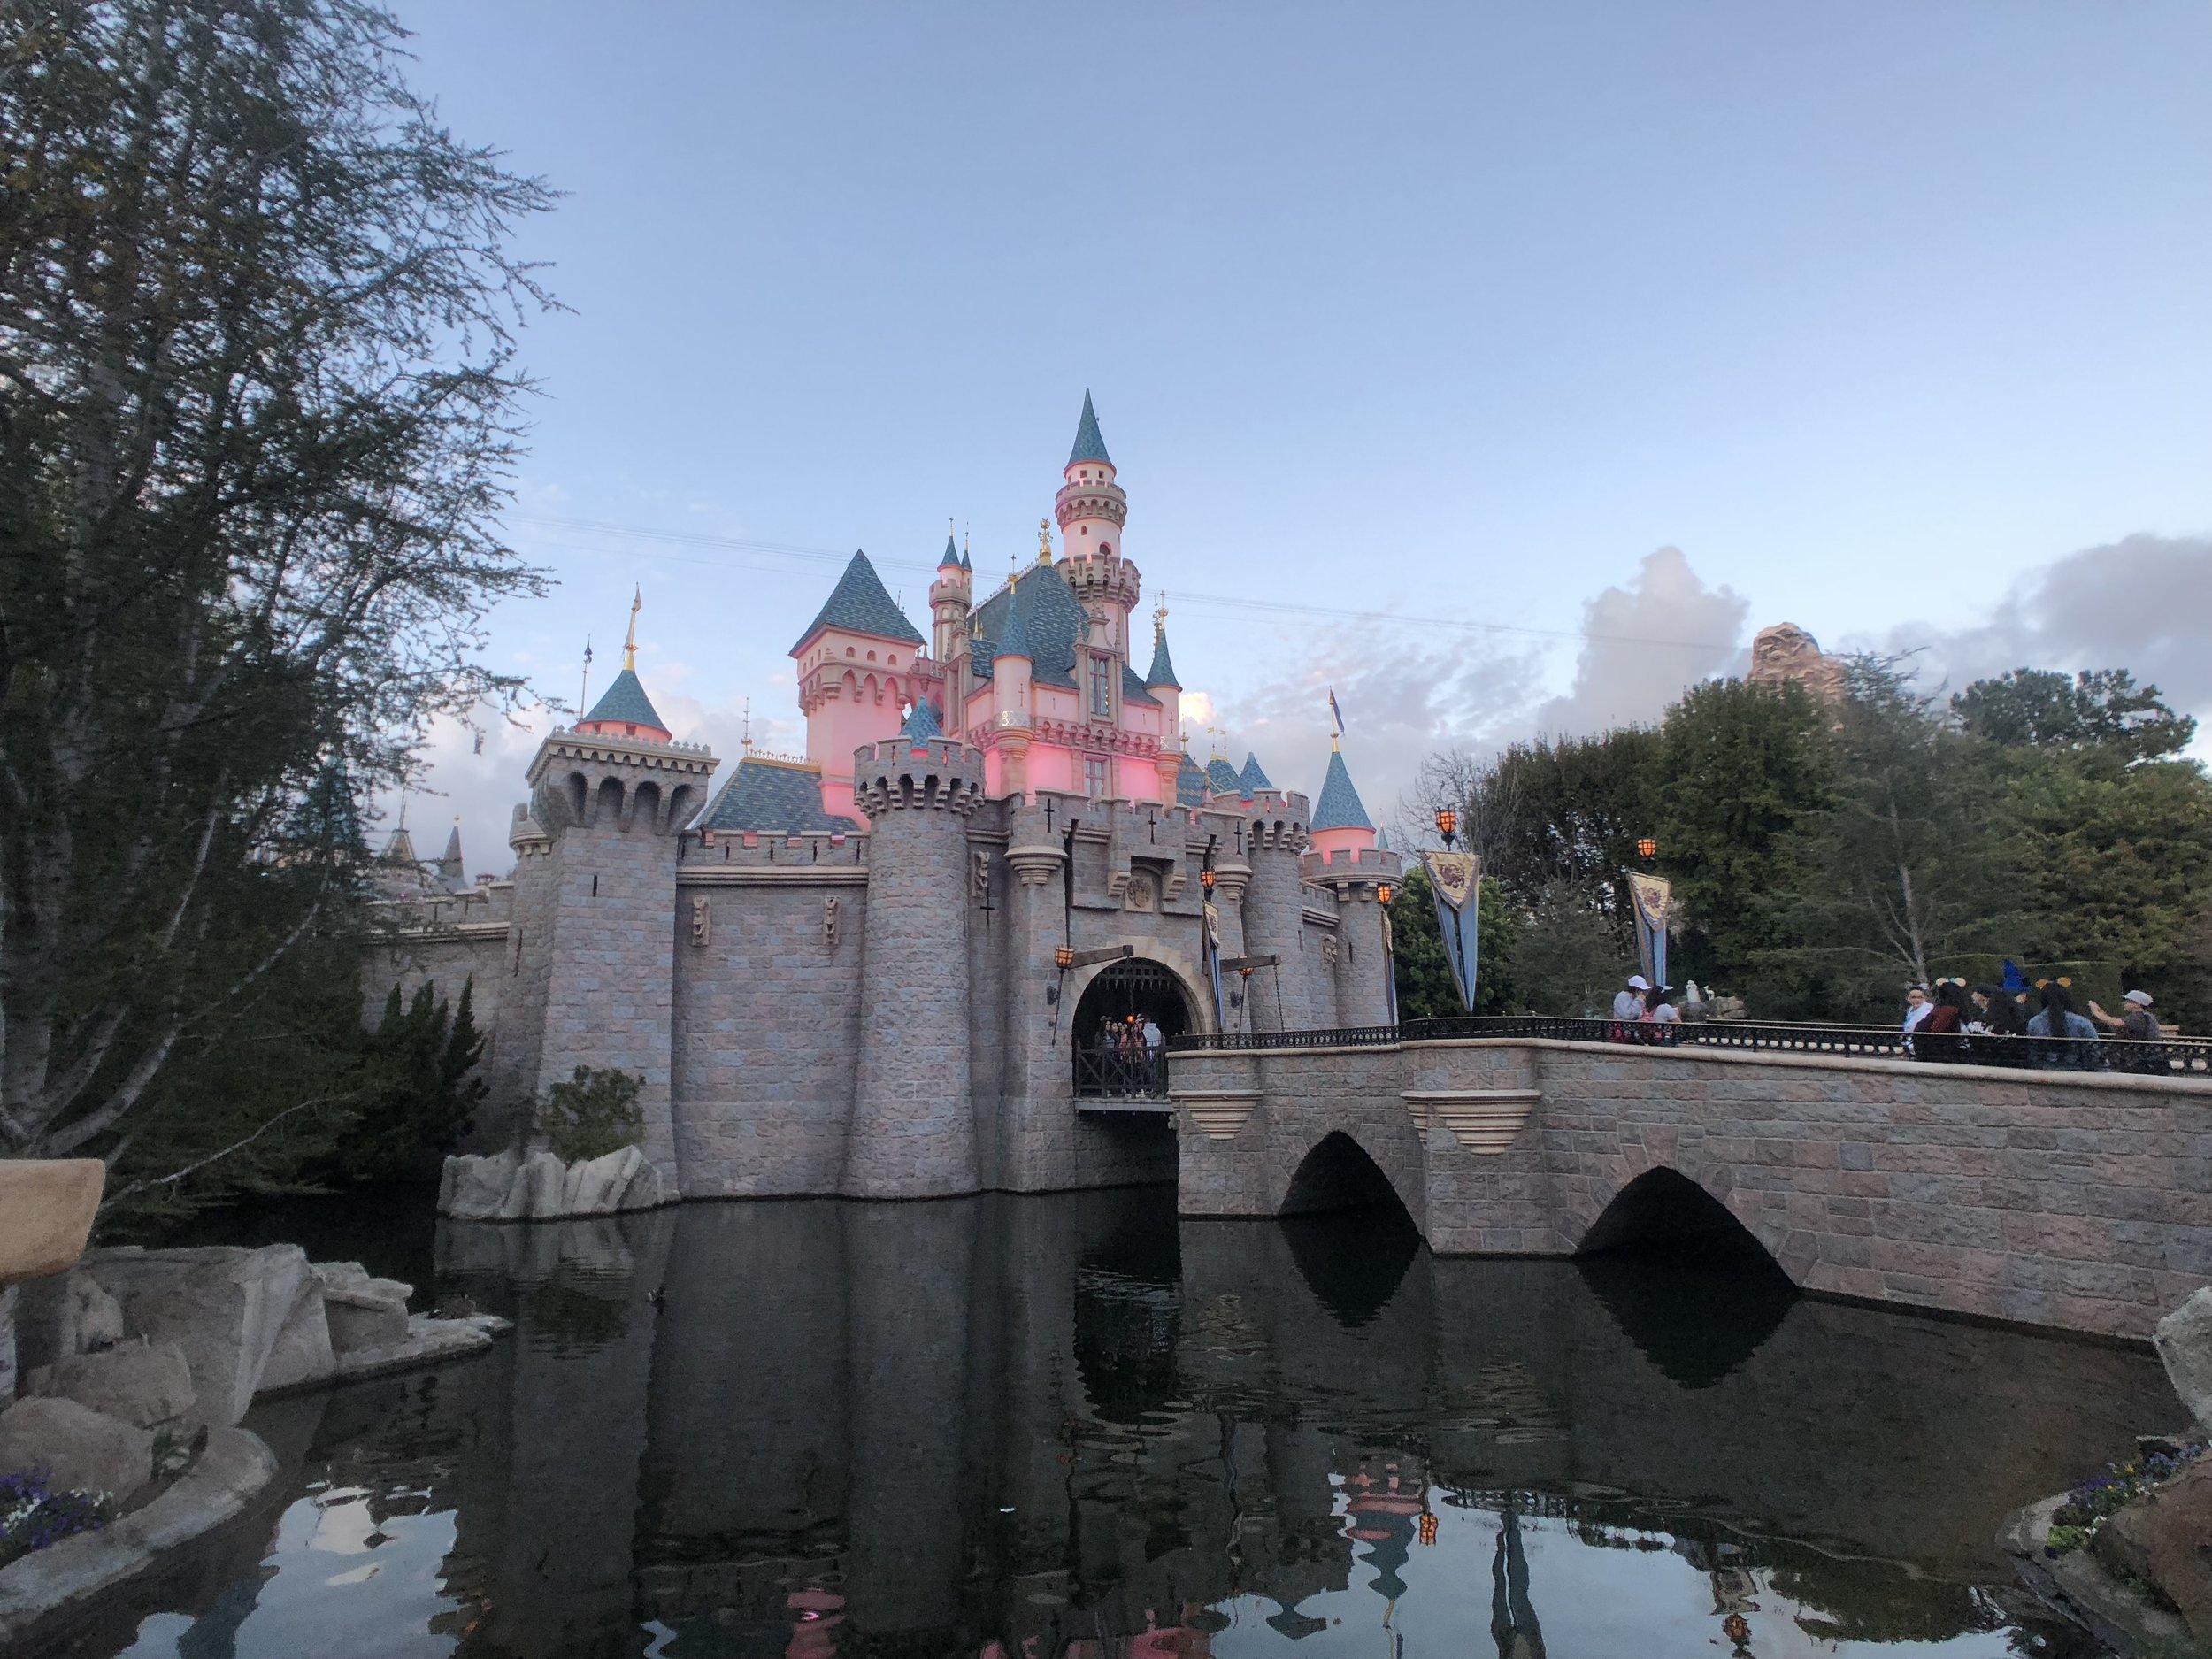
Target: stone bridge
2070,1199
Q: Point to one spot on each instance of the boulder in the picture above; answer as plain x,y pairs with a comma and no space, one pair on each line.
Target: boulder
142,1383
65,1315
2161,1538
2184,1343
76,1447
362,1310
303,1354
225,1306
541,1187
46,1210
475,1188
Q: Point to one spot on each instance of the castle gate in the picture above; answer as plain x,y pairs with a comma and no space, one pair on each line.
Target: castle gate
2041,1195
1110,1059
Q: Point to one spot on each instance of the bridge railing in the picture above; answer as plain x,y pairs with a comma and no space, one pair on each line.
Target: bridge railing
2170,1057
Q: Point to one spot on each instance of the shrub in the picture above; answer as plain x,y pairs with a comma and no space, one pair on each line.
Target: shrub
593,1113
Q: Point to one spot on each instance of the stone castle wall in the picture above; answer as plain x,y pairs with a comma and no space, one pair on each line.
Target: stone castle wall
2072,1199
723,977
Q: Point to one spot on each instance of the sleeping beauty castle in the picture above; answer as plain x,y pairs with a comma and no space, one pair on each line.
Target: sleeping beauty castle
907,964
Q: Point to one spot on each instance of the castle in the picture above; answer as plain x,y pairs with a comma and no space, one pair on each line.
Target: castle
890,969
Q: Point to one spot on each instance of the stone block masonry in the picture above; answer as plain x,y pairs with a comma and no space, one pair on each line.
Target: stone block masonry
2081,1201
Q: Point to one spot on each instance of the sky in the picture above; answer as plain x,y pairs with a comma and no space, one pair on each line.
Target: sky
1504,367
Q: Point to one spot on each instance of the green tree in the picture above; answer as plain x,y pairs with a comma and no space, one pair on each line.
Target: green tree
2099,709
1743,768
1423,972
419,1087
256,310
593,1113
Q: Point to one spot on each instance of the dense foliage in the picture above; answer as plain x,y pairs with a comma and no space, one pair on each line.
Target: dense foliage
1824,855
593,1113
255,366
1425,990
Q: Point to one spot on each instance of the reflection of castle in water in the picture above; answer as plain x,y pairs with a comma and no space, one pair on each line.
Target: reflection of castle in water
1038,1428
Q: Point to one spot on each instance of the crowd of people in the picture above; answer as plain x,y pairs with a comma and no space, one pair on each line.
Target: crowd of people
1987,1024
1128,1058
1982,1025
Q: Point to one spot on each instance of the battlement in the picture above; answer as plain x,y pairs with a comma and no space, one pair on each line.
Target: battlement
1372,862
915,773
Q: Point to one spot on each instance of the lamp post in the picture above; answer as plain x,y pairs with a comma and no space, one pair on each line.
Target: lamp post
1447,824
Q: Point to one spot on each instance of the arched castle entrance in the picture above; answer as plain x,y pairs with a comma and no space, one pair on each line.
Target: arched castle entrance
1110,1059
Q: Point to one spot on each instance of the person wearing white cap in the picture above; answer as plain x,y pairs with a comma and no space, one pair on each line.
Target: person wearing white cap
1629,1004
2138,1024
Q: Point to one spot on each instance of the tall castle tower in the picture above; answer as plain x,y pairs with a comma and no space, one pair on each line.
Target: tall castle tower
913,1122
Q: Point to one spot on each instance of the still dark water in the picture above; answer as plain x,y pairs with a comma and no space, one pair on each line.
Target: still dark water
1077,1428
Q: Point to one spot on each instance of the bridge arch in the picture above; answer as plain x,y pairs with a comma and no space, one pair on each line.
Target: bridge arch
1340,1173
1662,1206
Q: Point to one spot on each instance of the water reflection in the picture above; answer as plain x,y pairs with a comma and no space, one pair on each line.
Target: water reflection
1075,1428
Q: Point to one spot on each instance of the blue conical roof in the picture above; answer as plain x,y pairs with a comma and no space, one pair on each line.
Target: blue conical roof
1221,777
1190,783
1162,670
624,703
921,723
861,605
1013,639
1252,779
1089,445
952,560
1338,807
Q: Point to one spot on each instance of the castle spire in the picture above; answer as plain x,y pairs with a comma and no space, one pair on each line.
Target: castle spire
1161,674
1090,445
951,559
623,709
629,645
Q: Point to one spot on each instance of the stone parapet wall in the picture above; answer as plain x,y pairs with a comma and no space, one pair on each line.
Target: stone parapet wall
2076,1200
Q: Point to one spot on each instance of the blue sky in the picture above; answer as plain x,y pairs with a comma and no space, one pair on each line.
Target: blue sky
1455,313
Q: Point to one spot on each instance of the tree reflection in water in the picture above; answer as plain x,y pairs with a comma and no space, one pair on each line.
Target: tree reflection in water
1077,1428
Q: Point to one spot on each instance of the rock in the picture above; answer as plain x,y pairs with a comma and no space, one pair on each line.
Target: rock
2184,1343
303,1354
645,1191
46,1210
223,1305
76,1447
7,1344
142,1382
2162,1540
362,1311
475,1188
541,1187
425,1341
65,1315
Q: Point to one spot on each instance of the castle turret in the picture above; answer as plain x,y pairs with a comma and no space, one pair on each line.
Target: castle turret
1160,681
856,675
913,1124
1013,669
1091,509
950,597
595,888
1346,863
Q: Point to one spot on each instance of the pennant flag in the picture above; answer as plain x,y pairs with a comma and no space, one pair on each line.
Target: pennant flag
1654,898
1457,879
1335,714
1213,965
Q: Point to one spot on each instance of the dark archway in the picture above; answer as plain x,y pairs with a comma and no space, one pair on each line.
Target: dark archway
1337,1174
1687,1283
1347,1229
1110,1056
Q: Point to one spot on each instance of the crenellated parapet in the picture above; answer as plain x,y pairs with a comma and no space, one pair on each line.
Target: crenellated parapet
1352,872
630,784
900,774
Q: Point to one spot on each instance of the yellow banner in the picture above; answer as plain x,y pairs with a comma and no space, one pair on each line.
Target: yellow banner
1454,876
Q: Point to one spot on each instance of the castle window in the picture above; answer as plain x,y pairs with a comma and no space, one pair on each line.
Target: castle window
1101,688
1104,548
1097,776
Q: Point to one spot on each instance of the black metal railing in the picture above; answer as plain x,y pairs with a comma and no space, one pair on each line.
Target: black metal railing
2169,1056
1116,1073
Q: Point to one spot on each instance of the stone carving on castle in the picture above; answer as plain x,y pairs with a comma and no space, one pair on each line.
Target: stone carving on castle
702,921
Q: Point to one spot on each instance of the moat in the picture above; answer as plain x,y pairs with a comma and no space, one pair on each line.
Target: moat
1077,1428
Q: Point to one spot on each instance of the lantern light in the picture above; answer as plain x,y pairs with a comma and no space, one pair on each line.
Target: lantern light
1447,824
1206,879
1065,954
1646,847
1383,893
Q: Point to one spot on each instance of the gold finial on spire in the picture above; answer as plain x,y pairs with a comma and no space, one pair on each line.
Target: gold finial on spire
629,645
749,725
1159,615
1044,540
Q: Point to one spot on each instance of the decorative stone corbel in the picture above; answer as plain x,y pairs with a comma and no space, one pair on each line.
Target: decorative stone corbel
1483,1120
1217,1113
830,921
702,921
1036,864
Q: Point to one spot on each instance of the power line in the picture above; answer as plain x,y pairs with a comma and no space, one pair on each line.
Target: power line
1183,596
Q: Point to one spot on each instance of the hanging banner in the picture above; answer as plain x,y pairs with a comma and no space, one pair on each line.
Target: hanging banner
1654,898
1457,879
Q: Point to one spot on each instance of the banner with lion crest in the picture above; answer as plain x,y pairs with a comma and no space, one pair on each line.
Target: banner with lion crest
1457,879
1653,900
